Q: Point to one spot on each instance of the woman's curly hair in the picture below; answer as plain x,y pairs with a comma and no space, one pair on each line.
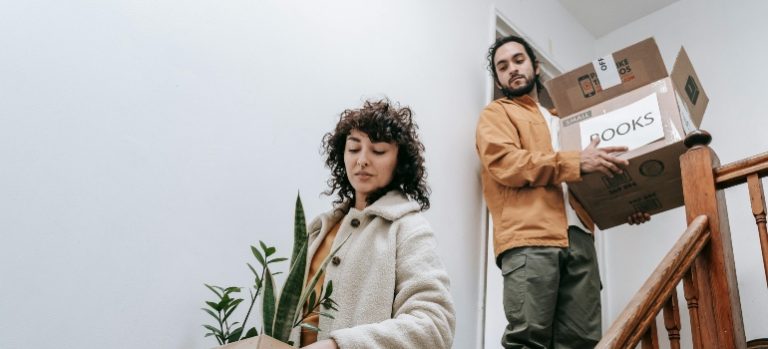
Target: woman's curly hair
382,121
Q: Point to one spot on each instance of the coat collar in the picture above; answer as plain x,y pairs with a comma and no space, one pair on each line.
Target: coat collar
392,206
527,102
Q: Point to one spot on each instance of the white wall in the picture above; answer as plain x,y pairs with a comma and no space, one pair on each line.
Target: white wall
723,40
146,144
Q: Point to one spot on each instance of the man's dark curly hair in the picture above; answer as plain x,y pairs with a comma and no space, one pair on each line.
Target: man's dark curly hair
382,121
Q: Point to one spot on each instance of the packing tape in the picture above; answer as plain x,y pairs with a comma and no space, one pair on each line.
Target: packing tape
606,72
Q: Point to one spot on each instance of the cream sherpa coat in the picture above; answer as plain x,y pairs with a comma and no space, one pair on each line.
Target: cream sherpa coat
390,284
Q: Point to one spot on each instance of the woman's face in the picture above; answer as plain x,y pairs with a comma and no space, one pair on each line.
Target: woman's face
369,165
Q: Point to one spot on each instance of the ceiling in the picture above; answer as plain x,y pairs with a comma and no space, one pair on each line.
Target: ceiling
601,17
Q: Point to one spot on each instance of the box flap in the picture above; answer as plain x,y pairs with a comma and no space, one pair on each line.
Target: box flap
689,88
578,89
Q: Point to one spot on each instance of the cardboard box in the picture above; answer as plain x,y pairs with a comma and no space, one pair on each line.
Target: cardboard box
258,342
648,111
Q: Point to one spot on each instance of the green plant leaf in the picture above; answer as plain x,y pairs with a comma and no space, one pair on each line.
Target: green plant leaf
214,330
224,303
235,335
285,313
251,333
258,256
255,273
264,248
231,309
278,260
299,231
326,314
215,316
311,303
328,289
270,251
311,285
230,290
214,306
309,327
213,290
268,303
330,304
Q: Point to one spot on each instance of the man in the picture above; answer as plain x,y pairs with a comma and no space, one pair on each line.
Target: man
542,236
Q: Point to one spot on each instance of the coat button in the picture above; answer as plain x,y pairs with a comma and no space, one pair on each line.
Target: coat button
355,222
336,260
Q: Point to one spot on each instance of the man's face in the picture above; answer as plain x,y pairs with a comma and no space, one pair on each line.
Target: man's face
515,70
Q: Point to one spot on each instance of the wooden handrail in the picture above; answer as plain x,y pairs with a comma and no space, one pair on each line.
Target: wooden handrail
629,327
736,172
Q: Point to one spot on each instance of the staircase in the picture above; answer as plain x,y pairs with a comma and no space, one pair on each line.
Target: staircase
702,259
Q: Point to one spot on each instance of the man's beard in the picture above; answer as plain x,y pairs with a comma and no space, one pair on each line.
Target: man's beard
520,91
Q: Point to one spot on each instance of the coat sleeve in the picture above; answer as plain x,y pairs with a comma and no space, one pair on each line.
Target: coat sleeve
423,313
502,155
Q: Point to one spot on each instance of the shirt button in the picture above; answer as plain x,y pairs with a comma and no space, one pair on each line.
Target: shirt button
336,260
355,222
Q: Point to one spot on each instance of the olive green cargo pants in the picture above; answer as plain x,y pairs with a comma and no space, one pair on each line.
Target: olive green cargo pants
552,295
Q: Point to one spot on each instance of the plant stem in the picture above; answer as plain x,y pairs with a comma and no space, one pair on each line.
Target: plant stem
222,339
253,301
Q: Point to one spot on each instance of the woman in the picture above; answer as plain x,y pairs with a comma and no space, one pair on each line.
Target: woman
390,286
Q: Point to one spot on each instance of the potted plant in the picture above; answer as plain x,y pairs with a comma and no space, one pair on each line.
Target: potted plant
280,311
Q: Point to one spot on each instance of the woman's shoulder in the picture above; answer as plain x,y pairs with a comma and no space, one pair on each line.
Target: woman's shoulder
412,224
325,218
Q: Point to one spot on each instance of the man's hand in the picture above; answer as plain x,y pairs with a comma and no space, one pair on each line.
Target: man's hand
638,218
594,159
323,344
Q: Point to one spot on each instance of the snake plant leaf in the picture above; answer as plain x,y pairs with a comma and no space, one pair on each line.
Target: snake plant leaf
299,231
288,302
268,303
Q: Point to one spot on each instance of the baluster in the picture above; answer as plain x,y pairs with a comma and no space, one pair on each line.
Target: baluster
650,338
718,292
672,320
691,293
757,199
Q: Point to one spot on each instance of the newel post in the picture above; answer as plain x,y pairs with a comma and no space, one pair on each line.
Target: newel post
720,318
